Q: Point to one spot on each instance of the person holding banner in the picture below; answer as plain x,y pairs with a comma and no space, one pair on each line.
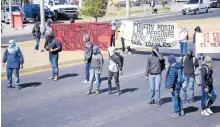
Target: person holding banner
153,72
197,30
114,29
183,41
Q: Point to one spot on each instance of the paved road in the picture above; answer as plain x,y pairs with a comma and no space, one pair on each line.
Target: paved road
212,14
44,103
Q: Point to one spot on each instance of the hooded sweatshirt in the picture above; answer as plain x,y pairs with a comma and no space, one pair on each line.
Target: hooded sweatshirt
189,65
153,63
115,64
88,49
36,31
97,59
197,29
172,73
207,79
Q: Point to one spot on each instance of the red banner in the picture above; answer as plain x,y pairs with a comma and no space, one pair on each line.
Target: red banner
71,35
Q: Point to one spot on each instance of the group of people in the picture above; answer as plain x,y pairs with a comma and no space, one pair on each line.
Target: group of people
179,76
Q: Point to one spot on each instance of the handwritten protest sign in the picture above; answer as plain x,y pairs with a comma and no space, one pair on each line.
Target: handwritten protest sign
146,35
208,42
71,35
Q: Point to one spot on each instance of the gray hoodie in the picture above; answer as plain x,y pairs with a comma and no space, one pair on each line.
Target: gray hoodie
97,59
88,49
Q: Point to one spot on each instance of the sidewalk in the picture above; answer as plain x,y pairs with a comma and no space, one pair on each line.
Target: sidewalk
7,31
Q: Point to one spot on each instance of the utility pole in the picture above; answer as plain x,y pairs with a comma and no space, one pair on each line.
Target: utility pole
128,9
42,19
10,12
80,4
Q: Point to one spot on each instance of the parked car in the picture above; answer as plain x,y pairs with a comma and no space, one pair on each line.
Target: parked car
215,3
122,3
5,17
32,12
196,6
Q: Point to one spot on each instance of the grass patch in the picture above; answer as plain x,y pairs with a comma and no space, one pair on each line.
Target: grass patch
166,9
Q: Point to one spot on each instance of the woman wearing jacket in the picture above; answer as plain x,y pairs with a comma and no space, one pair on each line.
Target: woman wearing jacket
14,58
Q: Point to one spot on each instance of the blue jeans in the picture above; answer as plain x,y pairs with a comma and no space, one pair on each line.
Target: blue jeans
188,82
208,98
94,73
37,43
183,48
87,71
9,75
178,105
54,63
155,81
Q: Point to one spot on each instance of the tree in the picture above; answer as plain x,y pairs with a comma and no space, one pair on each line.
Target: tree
95,8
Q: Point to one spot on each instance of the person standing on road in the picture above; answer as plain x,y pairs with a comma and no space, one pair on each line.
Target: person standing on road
95,70
15,60
115,67
208,90
190,63
152,4
172,84
153,73
114,28
87,56
54,47
197,30
183,41
46,31
36,32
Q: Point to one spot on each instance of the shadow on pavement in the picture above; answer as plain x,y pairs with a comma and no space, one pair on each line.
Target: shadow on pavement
30,84
128,90
215,109
106,90
190,109
68,75
166,100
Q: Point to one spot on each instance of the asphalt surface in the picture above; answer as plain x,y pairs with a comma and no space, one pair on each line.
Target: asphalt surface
214,13
45,103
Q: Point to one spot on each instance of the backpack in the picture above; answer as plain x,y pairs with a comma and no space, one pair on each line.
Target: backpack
198,76
121,58
194,60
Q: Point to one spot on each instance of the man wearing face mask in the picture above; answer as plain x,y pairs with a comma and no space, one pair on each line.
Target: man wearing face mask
95,70
208,90
153,73
190,63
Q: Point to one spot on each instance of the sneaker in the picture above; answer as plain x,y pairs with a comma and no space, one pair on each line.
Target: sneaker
185,101
85,81
88,93
151,102
55,78
9,86
157,103
51,78
175,115
129,53
97,92
205,113
110,92
182,113
209,111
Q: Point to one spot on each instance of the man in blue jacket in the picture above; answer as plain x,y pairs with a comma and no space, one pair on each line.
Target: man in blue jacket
14,58
172,84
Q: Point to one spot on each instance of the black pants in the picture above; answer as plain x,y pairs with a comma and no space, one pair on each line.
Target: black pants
116,77
113,41
123,45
